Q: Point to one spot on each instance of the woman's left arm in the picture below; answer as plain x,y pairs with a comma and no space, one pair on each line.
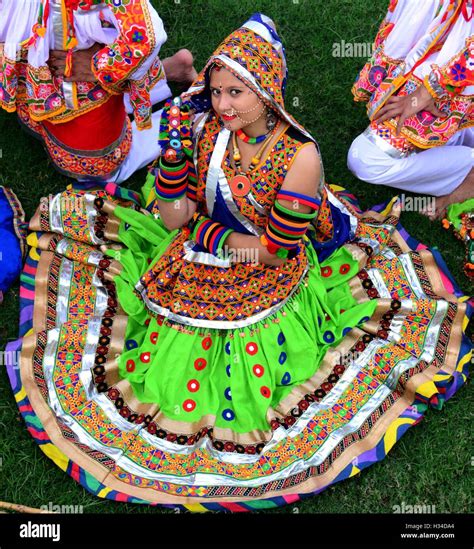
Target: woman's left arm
302,182
296,204
303,177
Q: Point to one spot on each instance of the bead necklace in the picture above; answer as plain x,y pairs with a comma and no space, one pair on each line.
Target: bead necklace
240,183
251,140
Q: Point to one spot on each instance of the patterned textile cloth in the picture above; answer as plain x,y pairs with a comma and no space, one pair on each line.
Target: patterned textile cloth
63,115
153,372
131,29
440,44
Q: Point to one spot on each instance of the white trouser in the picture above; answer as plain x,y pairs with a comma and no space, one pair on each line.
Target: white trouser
438,171
145,146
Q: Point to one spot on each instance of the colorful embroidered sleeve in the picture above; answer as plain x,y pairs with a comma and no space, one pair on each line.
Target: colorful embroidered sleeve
452,78
378,66
114,64
139,94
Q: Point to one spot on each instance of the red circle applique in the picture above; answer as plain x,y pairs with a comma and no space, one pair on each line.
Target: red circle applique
154,337
265,391
130,365
206,343
344,268
145,357
189,405
326,271
193,385
251,348
258,370
200,363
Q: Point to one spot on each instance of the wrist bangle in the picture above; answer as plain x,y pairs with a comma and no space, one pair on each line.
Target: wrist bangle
192,182
283,253
171,181
210,234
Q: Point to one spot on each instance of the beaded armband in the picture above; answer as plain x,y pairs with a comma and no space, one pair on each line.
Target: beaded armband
175,137
171,180
286,227
209,234
175,140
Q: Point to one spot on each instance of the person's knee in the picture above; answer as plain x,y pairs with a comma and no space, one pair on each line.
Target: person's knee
356,160
368,163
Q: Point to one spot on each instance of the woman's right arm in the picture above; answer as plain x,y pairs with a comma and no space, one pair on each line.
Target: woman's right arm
176,214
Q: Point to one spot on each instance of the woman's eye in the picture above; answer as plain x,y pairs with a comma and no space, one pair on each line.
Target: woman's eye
215,92
235,92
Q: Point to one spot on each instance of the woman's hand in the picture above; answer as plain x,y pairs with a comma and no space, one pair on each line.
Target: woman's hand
407,106
264,256
246,247
81,64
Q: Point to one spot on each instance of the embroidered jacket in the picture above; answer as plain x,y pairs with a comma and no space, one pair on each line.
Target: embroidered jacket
197,288
384,75
133,34
457,74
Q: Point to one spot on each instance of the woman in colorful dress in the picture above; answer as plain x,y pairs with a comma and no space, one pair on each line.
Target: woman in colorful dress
158,366
418,86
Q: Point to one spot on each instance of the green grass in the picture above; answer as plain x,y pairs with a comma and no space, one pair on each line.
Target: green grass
433,463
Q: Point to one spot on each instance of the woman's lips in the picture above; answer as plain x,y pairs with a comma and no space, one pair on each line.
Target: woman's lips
227,118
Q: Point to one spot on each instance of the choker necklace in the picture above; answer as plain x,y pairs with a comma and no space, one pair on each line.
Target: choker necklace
252,140
240,183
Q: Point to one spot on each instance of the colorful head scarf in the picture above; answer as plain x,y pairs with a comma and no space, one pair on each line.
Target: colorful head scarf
254,53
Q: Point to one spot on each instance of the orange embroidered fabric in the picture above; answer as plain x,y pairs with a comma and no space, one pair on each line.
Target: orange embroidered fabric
208,292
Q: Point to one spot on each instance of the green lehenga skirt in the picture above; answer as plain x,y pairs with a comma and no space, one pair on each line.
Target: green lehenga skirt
137,406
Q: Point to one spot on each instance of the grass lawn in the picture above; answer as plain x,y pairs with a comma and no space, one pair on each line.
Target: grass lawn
433,463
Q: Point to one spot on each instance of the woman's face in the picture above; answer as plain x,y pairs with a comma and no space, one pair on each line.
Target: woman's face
235,103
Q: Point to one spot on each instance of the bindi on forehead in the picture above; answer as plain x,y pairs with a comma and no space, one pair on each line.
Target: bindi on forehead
224,80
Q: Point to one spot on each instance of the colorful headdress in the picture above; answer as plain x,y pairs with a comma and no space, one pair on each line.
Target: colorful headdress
254,53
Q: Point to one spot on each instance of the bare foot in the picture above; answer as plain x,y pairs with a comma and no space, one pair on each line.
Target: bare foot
179,67
461,193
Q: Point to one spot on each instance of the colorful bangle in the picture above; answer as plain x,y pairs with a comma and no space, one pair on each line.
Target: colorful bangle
283,253
285,229
192,182
210,234
302,199
171,181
